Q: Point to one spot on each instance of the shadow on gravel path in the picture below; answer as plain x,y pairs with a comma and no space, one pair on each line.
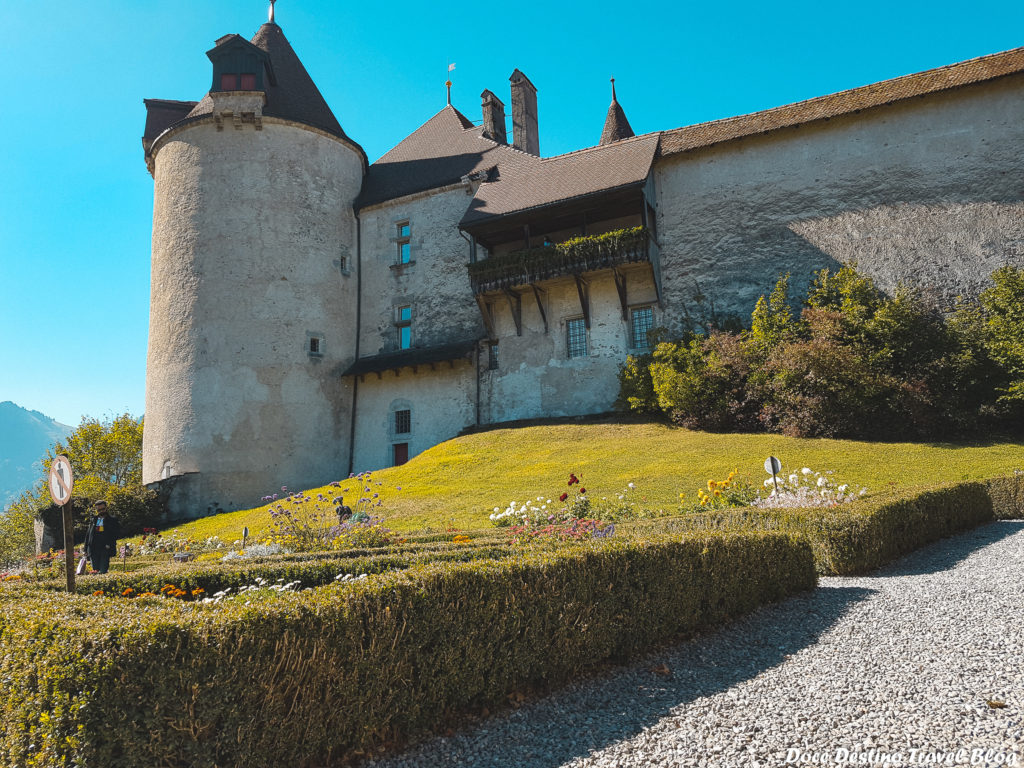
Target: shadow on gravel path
945,554
548,732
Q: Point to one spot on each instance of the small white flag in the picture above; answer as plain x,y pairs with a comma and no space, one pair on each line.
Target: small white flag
451,67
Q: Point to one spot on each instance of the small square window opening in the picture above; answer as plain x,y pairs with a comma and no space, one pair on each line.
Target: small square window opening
576,332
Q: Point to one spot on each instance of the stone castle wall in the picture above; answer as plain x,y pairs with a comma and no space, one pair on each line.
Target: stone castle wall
922,191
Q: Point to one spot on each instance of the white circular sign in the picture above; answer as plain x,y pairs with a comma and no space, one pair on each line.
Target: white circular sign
62,480
772,465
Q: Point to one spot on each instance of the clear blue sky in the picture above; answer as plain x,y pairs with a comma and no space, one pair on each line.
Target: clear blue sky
76,200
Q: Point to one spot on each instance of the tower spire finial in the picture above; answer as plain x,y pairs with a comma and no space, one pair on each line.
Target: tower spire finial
448,82
270,15
613,89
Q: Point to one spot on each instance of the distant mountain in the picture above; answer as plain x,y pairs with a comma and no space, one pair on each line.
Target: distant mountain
25,436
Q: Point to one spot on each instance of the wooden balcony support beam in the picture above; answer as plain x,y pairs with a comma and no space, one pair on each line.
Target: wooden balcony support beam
540,304
515,305
620,286
583,288
487,313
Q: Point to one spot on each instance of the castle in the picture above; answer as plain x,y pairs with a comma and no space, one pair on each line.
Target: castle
313,314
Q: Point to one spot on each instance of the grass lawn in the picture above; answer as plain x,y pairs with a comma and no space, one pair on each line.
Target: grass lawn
458,483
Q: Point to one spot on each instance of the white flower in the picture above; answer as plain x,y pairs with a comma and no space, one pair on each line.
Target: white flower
769,483
497,510
794,478
822,482
806,470
631,485
862,491
843,488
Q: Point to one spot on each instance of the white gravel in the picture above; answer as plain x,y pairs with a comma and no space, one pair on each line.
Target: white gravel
899,665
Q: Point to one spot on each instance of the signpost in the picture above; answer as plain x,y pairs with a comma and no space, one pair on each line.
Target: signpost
61,481
773,466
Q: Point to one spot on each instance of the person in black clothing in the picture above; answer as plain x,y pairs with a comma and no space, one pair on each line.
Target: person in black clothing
101,538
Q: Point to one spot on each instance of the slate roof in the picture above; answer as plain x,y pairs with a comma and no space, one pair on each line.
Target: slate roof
161,114
441,151
564,177
295,95
407,358
845,102
616,126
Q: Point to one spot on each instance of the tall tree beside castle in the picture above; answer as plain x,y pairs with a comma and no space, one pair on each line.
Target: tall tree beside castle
313,314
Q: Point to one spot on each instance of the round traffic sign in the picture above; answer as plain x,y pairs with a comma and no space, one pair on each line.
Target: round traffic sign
62,480
772,465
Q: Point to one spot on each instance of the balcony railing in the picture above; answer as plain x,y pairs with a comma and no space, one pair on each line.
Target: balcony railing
573,257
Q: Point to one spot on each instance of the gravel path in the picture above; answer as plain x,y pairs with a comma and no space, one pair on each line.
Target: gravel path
906,659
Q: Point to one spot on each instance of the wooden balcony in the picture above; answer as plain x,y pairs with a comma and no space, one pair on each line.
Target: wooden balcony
574,257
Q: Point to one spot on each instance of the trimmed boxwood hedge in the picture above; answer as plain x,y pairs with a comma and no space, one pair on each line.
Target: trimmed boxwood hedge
306,678
861,536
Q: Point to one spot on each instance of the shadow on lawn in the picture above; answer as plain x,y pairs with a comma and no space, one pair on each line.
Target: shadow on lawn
623,701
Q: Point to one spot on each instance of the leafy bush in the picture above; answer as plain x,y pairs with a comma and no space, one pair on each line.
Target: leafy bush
313,677
855,364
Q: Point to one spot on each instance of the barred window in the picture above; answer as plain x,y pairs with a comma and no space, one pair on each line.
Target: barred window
576,331
492,356
642,322
403,422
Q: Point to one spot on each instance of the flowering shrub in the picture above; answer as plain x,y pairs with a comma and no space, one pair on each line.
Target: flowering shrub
154,543
304,523
723,494
575,529
806,488
255,550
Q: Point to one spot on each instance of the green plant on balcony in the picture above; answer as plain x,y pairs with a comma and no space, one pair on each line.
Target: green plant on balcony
574,255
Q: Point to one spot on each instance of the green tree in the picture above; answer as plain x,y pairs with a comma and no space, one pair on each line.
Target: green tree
1002,306
772,319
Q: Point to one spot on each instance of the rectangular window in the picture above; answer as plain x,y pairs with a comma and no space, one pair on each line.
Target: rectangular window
248,82
492,356
403,422
404,247
229,82
401,453
576,332
642,321
403,319
315,345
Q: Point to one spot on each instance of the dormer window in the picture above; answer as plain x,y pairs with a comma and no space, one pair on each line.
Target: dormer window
238,65
245,81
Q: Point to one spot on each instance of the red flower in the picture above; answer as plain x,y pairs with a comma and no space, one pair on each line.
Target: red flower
583,490
563,497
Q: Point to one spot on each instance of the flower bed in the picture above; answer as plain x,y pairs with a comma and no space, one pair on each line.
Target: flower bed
312,677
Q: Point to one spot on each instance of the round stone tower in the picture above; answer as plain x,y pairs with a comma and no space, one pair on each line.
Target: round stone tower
253,303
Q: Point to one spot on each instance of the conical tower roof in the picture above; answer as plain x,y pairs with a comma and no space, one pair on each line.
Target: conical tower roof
291,92
616,126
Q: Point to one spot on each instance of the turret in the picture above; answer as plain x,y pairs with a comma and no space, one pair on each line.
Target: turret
253,296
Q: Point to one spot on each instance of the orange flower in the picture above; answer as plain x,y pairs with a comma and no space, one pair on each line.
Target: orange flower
98,592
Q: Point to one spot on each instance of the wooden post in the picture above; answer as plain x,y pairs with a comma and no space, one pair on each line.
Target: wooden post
69,545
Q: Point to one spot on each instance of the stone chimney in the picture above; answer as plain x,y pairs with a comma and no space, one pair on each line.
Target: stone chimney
494,117
524,114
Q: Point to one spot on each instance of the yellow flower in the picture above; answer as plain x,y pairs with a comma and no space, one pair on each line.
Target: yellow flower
704,500
711,485
718,493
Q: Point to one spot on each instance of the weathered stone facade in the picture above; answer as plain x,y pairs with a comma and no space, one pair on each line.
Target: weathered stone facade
312,316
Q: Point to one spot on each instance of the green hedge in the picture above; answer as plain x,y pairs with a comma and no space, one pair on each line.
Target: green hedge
308,571
308,678
861,536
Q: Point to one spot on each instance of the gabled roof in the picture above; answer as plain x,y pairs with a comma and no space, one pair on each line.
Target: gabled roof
564,177
292,94
616,126
845,102
441,151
